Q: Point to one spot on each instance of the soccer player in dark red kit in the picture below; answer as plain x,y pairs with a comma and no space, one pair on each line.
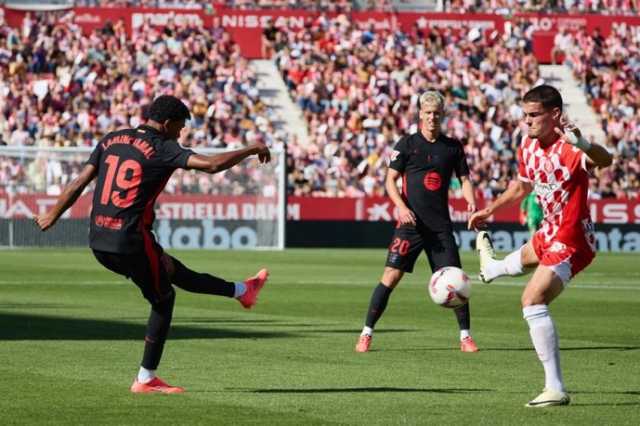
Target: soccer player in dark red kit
426,161
554,160
132,166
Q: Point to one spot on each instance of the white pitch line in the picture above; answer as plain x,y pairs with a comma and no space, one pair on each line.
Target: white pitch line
589,285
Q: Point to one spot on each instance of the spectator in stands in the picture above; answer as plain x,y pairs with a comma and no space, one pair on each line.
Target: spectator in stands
562,42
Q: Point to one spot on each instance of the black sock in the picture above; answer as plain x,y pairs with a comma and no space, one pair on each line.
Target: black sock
463,316
157,331
378,304
197,282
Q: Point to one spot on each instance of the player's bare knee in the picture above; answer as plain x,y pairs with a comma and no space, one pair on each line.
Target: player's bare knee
528,256
531,299
391,277
531,296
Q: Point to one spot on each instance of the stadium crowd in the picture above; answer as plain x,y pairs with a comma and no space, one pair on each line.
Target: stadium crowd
339,6
357,88
609,70
61,88
611,7
607,7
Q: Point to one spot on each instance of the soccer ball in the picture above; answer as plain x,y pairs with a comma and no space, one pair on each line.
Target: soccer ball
449,287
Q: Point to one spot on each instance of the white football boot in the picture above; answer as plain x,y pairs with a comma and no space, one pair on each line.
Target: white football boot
486,253
549,398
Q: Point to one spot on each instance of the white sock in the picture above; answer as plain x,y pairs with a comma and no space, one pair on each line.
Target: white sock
367,330
464,334
240,289
510,265
145,376
545,340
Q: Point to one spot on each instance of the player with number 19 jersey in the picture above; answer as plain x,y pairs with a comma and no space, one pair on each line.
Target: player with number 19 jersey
134,166
560,180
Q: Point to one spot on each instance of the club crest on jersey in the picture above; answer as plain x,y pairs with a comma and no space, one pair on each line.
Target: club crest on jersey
432,181
394,155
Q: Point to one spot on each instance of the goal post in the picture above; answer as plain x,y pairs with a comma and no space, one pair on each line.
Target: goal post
241,208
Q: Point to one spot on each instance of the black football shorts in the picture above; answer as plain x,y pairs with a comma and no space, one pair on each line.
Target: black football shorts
145,269
408,241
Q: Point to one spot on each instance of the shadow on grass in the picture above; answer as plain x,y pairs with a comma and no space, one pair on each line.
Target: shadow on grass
38,306
572,348
40,327
524,349
607,392
606,404
361,390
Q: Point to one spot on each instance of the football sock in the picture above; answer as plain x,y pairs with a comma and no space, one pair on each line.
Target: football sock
157,330
239,290
464,334
197,282
545,340
145,376
463,316
378,304
367,330
510,265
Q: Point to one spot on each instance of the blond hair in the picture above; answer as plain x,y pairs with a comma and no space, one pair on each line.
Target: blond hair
432,97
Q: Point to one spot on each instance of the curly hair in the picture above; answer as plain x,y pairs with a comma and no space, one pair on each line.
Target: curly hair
167,107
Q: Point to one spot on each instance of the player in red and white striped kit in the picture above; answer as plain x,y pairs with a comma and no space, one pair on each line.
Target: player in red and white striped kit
554,161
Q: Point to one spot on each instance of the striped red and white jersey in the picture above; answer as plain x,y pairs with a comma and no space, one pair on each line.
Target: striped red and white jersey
560,179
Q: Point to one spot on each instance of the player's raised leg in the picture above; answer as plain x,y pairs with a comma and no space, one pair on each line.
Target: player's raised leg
197,282
545,285
512,265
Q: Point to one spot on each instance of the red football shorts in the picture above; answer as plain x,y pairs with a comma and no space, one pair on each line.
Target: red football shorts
566,261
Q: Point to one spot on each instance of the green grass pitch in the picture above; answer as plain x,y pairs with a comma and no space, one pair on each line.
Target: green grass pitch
71,341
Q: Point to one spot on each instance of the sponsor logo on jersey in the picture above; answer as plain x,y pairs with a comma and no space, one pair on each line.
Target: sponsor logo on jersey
432,181
542,189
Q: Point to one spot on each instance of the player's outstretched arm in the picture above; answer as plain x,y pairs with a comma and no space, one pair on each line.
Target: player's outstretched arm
517,189
219,162
405,215
597,155
69,196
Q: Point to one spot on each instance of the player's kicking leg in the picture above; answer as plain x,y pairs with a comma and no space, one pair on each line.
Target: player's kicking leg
545,285
512,265
246,292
